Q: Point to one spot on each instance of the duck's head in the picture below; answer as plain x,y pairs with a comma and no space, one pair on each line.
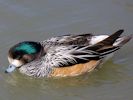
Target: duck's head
23,53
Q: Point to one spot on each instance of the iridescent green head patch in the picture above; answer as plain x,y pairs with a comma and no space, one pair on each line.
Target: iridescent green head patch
27,47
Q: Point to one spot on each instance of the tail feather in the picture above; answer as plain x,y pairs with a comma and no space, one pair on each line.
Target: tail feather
110,44
112,38
106,42
123,40
117,42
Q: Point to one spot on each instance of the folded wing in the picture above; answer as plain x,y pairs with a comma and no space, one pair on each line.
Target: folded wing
62,56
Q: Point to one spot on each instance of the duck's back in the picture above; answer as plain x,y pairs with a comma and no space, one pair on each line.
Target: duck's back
81,39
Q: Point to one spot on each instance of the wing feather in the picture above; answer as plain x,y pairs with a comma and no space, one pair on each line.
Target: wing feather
61,56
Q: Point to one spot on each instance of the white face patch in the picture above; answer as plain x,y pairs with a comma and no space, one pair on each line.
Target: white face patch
17,63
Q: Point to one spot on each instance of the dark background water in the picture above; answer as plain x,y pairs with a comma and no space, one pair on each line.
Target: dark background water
41,19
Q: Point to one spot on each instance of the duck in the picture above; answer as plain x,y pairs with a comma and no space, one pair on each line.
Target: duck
64,56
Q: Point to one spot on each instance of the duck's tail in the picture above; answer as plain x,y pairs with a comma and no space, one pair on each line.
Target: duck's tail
122,40
111,43
111,39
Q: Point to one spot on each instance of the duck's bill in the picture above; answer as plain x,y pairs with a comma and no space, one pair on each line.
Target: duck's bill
10,69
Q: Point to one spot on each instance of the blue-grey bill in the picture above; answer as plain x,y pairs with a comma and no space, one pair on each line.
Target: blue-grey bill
10,69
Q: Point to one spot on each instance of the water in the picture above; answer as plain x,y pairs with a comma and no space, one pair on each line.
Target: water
40,19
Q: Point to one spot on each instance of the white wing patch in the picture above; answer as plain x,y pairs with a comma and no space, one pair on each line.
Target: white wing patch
96,39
